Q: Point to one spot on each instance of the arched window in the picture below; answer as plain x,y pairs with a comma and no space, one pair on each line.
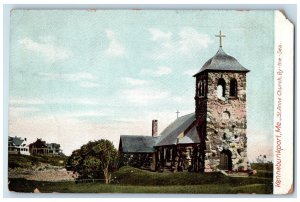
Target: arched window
226,115
199,88
233,88
221,88
203,88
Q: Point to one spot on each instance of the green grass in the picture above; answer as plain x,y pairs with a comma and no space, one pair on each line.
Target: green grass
133,180
262,166
24,161
133,176
21,185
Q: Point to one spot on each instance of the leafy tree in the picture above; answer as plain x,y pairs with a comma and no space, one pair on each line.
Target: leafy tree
96,159
261,159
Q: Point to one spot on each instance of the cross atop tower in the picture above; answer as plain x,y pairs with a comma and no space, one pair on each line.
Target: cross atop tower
177,113
220,36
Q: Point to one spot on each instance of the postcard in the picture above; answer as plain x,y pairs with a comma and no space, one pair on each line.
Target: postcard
150,101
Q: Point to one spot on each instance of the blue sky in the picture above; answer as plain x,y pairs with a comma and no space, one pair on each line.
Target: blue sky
82,75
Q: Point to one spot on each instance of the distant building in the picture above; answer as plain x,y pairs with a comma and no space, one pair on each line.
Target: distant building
54,148
17,145
41,147
38,147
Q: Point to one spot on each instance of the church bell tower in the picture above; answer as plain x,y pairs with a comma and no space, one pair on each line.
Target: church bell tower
220,101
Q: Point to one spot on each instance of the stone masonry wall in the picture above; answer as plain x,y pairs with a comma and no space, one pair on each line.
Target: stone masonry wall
226,123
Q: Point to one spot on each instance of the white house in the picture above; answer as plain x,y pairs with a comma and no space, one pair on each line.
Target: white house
17,145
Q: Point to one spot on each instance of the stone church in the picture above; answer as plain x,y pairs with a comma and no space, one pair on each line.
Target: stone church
211,139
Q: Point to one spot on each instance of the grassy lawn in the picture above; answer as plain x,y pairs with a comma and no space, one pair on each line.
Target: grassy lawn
70,187
133,176
132,180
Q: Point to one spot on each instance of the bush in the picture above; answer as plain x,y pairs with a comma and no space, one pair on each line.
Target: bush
25,161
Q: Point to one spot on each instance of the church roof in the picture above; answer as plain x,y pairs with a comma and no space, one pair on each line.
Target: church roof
222,62
181,131
174,133
190,137
137,143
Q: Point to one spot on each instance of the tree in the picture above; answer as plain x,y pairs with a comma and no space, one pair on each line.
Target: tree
96,159
261,159
107,154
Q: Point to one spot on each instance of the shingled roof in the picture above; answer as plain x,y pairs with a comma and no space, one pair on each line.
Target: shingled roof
222,62
137,144
170,135
190,137
181,131
15,141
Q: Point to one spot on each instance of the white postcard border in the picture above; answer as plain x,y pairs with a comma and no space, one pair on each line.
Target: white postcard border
283,105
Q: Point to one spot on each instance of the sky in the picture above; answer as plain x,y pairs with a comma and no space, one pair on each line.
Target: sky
82,75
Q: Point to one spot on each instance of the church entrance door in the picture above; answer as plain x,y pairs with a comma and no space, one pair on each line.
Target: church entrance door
225,160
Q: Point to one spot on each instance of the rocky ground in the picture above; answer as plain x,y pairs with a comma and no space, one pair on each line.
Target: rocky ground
42,172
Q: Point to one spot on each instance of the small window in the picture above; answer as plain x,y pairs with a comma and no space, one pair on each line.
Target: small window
199,88
202,88
203,92
226,115
221,89
233,88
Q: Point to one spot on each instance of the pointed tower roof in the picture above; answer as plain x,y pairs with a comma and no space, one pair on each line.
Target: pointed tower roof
222,62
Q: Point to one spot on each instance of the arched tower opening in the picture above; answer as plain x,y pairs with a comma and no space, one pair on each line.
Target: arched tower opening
233,88
221,88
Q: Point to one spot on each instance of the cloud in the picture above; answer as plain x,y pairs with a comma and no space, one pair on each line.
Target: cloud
21,111
68,76
84,101
192,41
88,85
80,76
144,96
79,114
191,72
84,79
22,101
15,101
18,109
178,99
115,48
160,71
35,111
189,42
163,71
157,34
46,48
134,82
